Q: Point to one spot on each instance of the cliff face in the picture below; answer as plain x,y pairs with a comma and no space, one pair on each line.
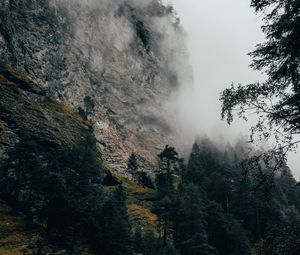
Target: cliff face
114,61
28,113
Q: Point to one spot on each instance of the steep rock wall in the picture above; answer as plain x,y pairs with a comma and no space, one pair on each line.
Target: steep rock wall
115,61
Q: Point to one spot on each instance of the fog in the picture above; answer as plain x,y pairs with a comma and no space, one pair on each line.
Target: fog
219,35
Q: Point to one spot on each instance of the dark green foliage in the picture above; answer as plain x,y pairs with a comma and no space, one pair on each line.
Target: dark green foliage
165,206
132,164
288,191
194,172
82,113
149,244
139,175
110,180
277,100
51,186
89,108
60,191
143,33
145,180
20,173
224,231
255,201
280,55
203,225
168,160
89,105
195,215
190,222
114,232
217,208
206,168
283,238
223,206
138,240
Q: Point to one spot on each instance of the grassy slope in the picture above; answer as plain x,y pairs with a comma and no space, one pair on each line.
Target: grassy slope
139,204
15,239
25,109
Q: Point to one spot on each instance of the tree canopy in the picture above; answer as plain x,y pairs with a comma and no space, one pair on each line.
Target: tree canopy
276,100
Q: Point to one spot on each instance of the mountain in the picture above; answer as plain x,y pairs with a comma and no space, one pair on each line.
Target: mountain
83,85
115,62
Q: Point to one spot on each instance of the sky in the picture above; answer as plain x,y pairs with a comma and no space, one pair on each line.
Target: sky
220,33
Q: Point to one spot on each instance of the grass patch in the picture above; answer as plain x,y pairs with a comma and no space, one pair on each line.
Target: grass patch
14,238
2,125
142,215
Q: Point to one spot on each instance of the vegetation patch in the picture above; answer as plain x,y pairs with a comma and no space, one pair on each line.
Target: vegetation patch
15,238
142,216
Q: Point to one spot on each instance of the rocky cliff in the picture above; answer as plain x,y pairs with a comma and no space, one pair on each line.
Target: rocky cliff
28,113
115,62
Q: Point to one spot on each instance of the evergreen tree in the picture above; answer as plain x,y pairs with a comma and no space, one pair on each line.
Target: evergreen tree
138,240
225,233
168,159
190,222
207,169
114,232
139,175
254,200
132,164
145,180
283,238
164,207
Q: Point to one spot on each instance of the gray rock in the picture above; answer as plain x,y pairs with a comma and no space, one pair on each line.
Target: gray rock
123,54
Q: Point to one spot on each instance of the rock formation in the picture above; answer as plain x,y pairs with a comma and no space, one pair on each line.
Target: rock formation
115,62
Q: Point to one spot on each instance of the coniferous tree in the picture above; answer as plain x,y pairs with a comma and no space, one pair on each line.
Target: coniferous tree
207,175
145,180
132,164
283,238
139,175
190,222
164,207
225,233
114,234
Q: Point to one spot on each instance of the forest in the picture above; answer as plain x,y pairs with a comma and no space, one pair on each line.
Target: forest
222,201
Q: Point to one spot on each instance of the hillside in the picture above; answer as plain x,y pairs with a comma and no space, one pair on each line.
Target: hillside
15,239
30,118
117,61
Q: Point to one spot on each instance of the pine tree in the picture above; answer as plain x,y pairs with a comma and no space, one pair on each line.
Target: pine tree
164,207
190,223
225,232
132,165
114,231
282,238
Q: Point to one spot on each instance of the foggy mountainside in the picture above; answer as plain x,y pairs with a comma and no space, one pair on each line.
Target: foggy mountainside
94,158
111,60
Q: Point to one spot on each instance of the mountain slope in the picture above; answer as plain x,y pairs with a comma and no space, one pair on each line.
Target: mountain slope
27,111
116,61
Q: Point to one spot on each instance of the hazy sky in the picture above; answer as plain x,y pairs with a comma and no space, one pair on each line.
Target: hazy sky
220,34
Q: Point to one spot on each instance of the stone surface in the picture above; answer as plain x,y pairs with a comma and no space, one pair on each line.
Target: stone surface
120,55
26,111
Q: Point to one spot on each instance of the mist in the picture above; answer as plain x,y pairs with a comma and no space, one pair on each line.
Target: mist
207,53
219,36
